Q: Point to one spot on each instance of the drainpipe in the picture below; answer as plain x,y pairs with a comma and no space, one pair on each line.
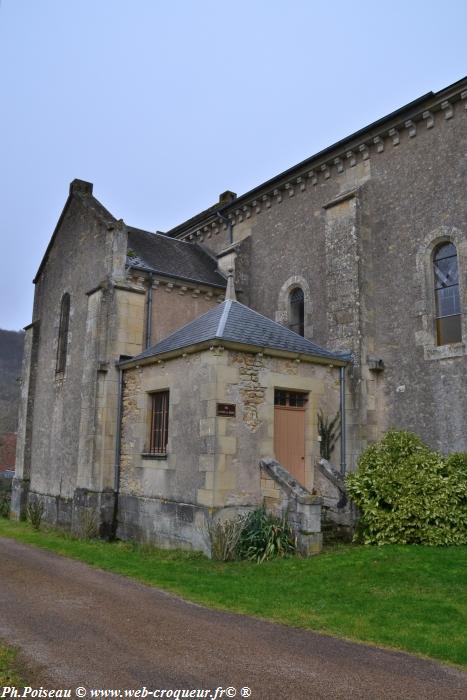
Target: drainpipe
227,221
147,341
118,435
342,411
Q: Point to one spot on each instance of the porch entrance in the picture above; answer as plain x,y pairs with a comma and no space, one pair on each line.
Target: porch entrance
289,431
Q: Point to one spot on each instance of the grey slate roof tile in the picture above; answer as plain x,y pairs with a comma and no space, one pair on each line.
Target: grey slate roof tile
168,256
235,322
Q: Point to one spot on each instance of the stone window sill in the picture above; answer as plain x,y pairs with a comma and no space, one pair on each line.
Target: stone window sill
445,352
152,461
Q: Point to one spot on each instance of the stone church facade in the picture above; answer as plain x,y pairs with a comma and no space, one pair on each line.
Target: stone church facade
361,250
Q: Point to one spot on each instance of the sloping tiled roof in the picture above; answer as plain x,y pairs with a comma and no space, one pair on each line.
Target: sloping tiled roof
234,322
168,256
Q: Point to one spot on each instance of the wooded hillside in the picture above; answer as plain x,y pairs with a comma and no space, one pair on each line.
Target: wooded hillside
11,355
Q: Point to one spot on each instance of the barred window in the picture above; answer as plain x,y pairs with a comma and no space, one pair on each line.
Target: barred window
297,311
159,423
62,346
448,312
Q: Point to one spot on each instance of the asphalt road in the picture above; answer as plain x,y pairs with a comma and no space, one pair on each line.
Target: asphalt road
80,627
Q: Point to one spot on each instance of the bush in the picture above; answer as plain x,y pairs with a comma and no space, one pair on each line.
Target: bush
224,536
328,431
5,500
5,497
265,536
88,525
408,494
35,513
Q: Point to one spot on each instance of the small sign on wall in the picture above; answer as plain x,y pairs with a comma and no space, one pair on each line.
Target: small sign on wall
226,409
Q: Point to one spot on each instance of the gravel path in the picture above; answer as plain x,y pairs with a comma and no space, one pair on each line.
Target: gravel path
78,626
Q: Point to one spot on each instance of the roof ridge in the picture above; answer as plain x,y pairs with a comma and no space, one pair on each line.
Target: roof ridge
283,327
162,235
223,319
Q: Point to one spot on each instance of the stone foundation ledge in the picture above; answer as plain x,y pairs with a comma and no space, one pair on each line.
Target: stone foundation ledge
163,523
93,509
57,510
96,508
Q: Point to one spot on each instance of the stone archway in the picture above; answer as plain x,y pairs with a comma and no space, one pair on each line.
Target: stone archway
282,311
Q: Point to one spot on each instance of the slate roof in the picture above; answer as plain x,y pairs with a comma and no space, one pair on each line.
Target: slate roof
167,256
235,322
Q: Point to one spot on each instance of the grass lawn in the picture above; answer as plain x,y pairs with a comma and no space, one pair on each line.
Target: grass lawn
9,674
406,597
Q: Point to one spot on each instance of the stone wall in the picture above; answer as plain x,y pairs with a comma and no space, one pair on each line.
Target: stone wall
68,421
76,262
359,224
339,515
417,199
284,497
66,434
176,303
212,466
158,499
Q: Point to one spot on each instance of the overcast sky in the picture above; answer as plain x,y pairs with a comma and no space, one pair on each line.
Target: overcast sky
165,104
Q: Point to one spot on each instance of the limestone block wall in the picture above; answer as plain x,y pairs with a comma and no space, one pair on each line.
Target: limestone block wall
309,236
417,201
21,481
359,224
115,327
176,303
158,495
66,451
212,463
82,255
253,391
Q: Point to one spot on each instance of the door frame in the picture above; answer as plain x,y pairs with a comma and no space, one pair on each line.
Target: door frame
288,399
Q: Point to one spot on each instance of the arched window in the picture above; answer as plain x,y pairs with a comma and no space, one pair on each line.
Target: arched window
63,333
297,311
448,309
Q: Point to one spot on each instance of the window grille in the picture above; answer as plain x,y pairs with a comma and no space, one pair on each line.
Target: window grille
159,423
448,312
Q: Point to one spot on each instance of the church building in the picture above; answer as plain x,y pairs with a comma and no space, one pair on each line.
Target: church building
173,378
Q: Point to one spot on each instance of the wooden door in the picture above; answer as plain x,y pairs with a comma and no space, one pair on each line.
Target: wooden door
289,439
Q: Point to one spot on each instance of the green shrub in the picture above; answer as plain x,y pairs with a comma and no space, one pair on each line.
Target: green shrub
328,431
88,525
5,500
408,494
265,536
224,536
35,513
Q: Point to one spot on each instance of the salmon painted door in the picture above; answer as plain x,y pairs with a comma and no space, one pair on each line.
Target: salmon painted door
289,432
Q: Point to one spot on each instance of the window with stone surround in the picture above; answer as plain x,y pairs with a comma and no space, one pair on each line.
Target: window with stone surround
447,300
441,282
297,311
62,345
159,428
294,308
